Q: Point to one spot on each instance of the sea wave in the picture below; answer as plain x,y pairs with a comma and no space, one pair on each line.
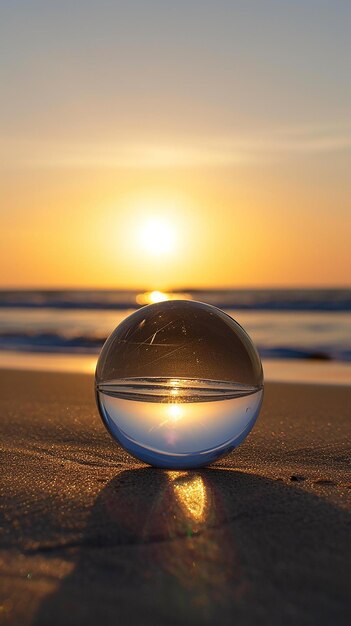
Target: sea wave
284,324
53,342
239,299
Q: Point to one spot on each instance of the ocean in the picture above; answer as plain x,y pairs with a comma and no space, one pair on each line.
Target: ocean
283,323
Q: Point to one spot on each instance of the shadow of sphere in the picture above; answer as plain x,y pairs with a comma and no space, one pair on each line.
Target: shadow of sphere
196,547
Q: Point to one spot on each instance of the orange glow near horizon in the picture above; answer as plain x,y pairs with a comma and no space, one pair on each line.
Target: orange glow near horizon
151,297
172,148
211,235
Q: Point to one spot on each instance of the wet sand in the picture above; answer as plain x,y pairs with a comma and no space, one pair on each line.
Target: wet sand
91,536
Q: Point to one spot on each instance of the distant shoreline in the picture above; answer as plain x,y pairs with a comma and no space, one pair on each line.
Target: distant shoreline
275,370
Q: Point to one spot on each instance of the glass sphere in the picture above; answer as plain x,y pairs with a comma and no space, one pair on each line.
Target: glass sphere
179,384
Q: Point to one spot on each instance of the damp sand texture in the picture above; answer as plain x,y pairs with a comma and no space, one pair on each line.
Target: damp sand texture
91,535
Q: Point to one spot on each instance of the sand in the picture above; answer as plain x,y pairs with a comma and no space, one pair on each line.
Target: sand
91,536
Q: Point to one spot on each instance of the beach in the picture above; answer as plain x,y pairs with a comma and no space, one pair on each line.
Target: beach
91,535
175,254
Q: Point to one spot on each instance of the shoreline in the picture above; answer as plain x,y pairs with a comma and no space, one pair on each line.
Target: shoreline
275,370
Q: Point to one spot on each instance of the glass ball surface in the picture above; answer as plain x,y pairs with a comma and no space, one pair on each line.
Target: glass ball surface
179,384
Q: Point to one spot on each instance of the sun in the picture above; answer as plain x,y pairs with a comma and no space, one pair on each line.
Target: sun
158,236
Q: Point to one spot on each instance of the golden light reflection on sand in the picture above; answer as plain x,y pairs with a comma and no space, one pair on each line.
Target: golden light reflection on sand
190,492
42,362
187,549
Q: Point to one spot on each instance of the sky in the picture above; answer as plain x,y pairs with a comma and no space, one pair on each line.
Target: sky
160,144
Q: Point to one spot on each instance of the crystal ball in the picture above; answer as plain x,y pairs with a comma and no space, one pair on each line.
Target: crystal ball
179,384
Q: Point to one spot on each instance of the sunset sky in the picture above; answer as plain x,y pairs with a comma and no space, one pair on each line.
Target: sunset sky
155,144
